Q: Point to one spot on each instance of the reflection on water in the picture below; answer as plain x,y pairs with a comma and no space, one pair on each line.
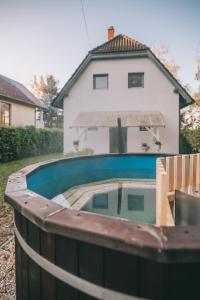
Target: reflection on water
136,204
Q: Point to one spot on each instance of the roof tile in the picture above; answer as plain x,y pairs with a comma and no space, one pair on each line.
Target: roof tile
120,43
16,91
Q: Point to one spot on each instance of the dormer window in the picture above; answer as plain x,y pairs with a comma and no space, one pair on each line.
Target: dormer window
135,80
100,81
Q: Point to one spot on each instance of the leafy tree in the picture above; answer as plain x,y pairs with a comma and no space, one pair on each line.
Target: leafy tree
191,118
162,53
46,89
198,68
197,94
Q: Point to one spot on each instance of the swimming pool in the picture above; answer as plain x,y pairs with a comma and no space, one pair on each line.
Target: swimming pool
53,179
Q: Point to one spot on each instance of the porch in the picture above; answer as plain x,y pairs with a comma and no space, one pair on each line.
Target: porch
119,131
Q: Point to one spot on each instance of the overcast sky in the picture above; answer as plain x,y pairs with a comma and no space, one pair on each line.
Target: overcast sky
49,36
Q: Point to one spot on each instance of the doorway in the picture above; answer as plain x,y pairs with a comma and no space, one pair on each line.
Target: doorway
114,139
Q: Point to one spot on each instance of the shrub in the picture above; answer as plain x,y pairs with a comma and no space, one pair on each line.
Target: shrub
20,142
190,141
185,146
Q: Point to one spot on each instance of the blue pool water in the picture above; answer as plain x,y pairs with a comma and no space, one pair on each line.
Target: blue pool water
51,180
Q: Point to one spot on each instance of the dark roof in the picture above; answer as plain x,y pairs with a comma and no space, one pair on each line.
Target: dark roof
119,47
120,43
14,90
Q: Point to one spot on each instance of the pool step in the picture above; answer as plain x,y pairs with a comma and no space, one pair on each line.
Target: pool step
76,197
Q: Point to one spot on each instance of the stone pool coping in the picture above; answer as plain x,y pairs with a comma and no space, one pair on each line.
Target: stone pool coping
164,244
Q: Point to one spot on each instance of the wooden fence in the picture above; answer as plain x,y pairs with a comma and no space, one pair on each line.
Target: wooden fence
180,172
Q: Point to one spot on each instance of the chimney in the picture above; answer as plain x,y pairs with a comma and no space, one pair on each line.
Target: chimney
111,33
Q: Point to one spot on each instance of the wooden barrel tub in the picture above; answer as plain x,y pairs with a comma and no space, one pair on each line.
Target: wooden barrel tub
73,255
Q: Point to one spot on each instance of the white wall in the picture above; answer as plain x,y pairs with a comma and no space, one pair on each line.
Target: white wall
39,121
22,115
157,94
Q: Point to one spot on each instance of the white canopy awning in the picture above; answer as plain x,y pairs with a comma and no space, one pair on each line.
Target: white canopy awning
109,119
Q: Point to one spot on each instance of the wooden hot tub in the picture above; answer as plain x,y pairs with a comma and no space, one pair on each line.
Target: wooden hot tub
66,254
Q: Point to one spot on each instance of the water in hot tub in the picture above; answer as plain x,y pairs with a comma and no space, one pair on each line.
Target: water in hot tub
136,204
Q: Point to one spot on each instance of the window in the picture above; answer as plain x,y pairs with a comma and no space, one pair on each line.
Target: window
136,202
38,114
100,201
100,81
4,113
135,80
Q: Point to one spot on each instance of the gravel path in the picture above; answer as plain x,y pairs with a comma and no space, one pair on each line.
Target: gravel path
7,253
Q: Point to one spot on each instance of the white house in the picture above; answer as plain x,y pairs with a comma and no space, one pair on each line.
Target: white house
18,106
122,81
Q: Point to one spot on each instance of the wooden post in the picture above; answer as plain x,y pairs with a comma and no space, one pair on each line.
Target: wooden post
170,173
161,198
198,170
193,163
177,172
161,194
185,171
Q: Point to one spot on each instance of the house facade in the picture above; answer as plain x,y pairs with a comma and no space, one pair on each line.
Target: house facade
18,106
121,91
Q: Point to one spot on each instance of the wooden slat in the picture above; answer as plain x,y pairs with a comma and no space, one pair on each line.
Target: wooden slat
34,269
164,198
177,172
121,272
170,173
91,265
66,257
193,162
198,170
185,171
25,260
158,196
156,286
161,195
184,281
48,282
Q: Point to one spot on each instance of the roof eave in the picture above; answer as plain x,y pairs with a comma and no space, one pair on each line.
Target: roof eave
179,88
20,101
58,101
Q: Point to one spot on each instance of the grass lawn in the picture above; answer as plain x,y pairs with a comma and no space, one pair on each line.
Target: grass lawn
8,168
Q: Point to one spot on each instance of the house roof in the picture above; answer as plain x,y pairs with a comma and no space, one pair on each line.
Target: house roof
119,47
128,119
13,90
120,43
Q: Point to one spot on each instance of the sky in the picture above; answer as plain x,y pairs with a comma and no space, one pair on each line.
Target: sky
39,37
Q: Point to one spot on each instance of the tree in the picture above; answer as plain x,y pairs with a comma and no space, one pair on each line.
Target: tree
197,94
46,89
191,118
162,53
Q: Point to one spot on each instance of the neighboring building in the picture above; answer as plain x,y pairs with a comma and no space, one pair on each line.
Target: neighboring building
123,79
18,106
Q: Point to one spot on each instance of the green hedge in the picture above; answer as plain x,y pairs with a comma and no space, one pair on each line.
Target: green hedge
190,141
20,142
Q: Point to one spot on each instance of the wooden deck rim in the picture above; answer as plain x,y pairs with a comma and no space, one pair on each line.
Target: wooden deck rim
165,244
